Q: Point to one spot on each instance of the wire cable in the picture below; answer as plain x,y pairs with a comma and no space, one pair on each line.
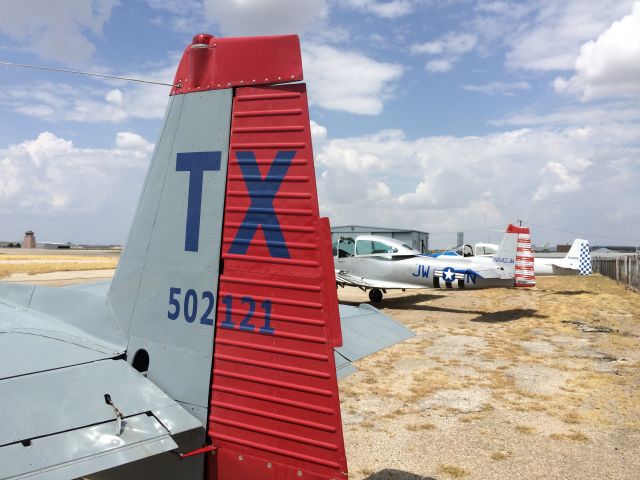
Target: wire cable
581,233
90,74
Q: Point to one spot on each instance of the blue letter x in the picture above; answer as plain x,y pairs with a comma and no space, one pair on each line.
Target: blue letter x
196,163
261,211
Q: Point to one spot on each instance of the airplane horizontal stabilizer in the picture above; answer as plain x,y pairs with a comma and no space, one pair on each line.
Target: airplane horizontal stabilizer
49,421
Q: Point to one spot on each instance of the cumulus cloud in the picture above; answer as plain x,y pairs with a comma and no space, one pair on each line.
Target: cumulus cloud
257,17
607,113
50,181
609,65
447,49
384,9
58,31
572,176
498,88
318,133
550,36
348,81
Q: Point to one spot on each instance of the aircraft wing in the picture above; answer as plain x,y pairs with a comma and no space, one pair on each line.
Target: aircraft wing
346,279
55,384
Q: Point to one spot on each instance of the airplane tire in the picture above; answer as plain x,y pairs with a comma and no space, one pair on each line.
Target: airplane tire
375,295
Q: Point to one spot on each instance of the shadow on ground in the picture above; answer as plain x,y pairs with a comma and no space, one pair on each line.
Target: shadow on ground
389,474
400,302
508,315
403,303
572,292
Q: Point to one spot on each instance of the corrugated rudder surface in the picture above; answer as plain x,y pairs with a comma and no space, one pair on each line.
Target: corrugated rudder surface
275,411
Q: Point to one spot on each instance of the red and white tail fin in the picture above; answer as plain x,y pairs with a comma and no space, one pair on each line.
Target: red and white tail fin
226,282
524,276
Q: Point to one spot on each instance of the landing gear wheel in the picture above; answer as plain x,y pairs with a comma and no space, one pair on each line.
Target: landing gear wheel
375,295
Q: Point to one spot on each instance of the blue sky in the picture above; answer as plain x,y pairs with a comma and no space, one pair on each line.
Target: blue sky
435,115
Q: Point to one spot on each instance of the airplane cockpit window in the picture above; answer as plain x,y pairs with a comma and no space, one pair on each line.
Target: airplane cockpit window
344,248
370,247
485,250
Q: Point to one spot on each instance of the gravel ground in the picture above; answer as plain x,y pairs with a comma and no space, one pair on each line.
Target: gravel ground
496,386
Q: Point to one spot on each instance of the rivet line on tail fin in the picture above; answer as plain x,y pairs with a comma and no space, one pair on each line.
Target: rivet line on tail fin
255,178
295,161
281,301
278,350
269,96
281,129
269,283
299,246
274,146
281,211
271,399
299,196
283,261
285,418
288,319
291,336
268,226
273,383
278,434
283,368
267,113
280,451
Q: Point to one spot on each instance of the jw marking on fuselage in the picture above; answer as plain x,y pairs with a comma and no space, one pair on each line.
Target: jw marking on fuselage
377,264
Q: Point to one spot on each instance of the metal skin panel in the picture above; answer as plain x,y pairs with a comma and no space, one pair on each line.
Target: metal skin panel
77,453
168,274
365,331
74,398
274,394
58,343
15,294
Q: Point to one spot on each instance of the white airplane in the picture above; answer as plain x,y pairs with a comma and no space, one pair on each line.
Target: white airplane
576,262
378,264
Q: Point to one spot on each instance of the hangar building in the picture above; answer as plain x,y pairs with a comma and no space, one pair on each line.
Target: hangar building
414,238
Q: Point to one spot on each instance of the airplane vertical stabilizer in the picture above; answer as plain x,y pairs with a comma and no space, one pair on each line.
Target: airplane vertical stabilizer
227,282
525,276
505,256
580,252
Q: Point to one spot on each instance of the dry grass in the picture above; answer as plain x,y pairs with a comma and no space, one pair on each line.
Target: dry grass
34,264
453,471
426,382
413,427
500,455
526,429
572,435
571,417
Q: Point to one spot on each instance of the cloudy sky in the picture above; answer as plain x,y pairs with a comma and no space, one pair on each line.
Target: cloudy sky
440,115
